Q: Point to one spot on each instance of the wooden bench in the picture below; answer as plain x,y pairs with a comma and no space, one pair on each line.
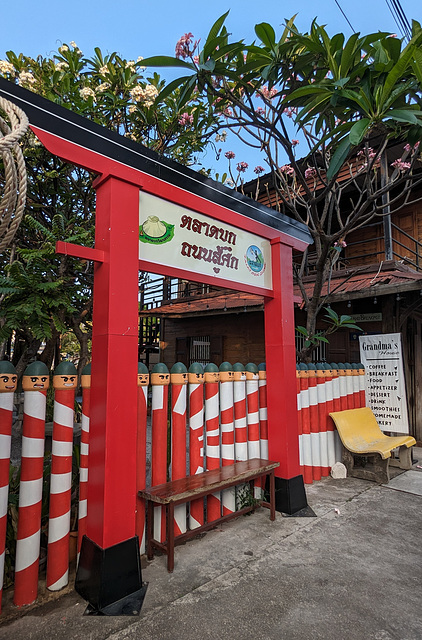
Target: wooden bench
361,436
184,490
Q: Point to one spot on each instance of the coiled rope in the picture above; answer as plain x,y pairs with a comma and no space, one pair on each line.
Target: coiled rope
12,201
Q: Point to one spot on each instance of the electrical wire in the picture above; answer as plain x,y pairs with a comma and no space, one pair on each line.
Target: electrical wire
345,17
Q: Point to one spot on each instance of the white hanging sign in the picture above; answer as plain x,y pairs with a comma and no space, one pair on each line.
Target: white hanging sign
177,237
385,386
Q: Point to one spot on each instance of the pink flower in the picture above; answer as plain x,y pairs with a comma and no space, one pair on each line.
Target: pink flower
295,142
242,166
341,243
196,59
228,112
287,169
258,170
230,155
183,49
185,119
407,147
260,111
268,94
401,166
311,172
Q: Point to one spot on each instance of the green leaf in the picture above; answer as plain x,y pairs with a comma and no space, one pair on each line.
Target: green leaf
266,34
339,158
215,29
167,61
402,115
302,330
358,131
172,86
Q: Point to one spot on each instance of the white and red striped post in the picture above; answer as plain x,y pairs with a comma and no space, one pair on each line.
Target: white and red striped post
35,383
337,406
356,385
306,424
227,431
314,420
141,452
160,380
196,437
83,458
349,386
341,369
8,381
299,418
212,427
252,418
179,381
322,418
239,400
362,391
240,427
263,419
64,383
329,406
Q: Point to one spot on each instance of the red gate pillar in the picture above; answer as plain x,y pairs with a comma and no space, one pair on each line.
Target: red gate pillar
283,441
109,560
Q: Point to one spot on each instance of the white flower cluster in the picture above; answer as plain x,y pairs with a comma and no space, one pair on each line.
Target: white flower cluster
63,48
7,67
61,66
87,93
103,87
146,96
132,108
221,137
139,59
130,64
103,70
25,77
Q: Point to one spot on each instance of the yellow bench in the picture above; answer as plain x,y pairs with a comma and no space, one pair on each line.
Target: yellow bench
361,436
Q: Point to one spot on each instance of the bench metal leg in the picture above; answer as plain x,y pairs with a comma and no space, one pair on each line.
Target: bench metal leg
170,537
150,529
272,495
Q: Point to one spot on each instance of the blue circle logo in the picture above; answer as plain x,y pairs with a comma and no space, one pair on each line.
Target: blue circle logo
255,259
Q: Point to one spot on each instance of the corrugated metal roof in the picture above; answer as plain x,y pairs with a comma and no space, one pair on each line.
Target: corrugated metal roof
362,282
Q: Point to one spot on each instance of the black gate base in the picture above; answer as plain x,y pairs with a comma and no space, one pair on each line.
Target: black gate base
290,496
111,579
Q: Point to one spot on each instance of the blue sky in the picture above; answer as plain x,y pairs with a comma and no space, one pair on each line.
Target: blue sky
147,27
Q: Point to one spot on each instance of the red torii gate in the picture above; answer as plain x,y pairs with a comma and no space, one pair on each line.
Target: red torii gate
109,572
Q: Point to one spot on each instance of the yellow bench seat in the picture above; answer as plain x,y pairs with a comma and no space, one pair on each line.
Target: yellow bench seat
360,434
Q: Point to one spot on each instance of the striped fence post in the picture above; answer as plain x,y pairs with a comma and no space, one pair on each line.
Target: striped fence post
356,386
227,431
362,391
252,415
8,381
329,405
239,400
341,369
64,382
338,406
179,381
141,452
306,423
349,386
83,458
299,418
196,437
322,418
314,420
263,419
212,426
35,383
160,380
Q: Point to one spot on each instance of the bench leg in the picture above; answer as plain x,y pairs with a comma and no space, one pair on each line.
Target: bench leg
272,495
150,529
405,457
170,537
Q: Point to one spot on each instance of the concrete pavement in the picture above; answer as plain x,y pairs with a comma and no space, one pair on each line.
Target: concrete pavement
354,572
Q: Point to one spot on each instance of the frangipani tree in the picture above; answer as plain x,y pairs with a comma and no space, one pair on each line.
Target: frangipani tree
43,295
346,101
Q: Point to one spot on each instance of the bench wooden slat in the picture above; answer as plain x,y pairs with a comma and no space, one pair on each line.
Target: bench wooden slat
214,480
